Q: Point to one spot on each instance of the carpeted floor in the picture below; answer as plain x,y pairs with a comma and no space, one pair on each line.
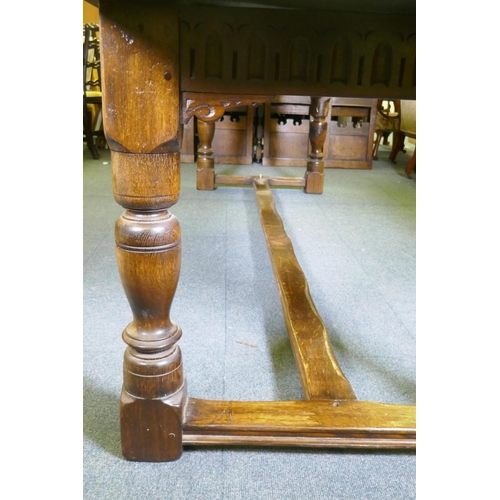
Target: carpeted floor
356,246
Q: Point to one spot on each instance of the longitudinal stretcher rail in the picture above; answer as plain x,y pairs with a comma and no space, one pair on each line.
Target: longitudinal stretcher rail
331,416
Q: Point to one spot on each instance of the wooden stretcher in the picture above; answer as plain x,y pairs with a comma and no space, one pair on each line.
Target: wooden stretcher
330,415
164,62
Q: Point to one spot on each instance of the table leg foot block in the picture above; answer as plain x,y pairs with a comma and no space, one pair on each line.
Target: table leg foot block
151,430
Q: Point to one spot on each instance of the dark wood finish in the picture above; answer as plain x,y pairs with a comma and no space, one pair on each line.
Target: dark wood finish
318,128
258,135
233,139
386,122
319,370
188,143
353,424
411,165
397,146
208,108
221,50
348,143
151,430
286,137
205,172
350,133
407,128
304,52
248,180
142,127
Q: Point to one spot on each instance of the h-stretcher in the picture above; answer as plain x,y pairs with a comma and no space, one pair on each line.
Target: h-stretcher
164,62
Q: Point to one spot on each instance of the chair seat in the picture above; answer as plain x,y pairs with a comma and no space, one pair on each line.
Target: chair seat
389,123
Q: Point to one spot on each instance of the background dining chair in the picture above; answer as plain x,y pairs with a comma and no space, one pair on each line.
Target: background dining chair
386,122
92,94
407,128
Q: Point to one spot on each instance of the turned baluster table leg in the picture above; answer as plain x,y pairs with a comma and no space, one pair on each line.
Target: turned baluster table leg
141,104
205,172
318,128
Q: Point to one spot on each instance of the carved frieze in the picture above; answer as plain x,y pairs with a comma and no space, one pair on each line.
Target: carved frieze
291,51
210,107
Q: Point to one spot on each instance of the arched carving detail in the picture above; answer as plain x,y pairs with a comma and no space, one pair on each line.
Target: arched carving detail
257,56
299,58
248,52
382,65
341,61
213,56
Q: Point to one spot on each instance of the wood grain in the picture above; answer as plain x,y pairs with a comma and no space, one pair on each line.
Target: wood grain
151,53
210,107
319,370
287,139
188,140
141,76
297,52
150,430
248,180
205,172
299,423
232,143
141,122
318,129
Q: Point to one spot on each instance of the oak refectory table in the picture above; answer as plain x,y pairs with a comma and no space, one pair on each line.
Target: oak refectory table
165,61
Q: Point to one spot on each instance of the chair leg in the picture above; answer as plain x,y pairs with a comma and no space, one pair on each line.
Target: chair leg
397,143
410,167
89,138
376,144
386,138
